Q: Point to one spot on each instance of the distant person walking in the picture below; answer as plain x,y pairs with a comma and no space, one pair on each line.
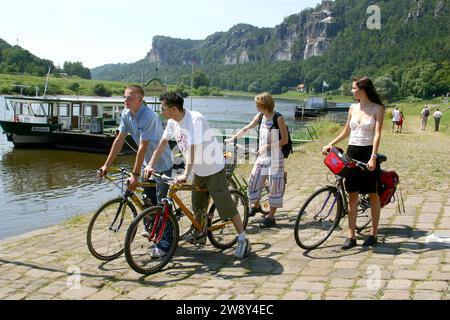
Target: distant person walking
400,123
424,118
396,118
437,119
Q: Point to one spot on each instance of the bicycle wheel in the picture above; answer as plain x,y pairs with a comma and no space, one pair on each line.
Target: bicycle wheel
232,184
107,229
223,234
318,217
137,249
364,216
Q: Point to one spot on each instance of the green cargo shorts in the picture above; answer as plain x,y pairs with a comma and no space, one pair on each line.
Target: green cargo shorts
217,186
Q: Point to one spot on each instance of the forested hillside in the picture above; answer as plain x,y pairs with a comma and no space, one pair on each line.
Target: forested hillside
14,59
409,54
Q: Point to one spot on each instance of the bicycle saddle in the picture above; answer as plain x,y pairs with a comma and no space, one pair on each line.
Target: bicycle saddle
381,158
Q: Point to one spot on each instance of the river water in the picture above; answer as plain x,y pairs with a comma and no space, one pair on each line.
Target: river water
41,187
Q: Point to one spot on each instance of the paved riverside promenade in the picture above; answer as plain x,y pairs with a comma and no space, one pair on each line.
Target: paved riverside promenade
55,263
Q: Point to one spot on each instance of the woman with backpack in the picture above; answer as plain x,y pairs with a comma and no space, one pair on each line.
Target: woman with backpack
364,124
272,136
424,118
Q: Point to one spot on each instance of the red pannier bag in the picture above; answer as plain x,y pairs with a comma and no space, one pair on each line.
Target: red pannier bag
338,162
387,186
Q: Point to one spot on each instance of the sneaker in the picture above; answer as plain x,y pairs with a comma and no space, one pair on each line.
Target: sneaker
267,223
370,241
243,249
349,243
254,211
156,253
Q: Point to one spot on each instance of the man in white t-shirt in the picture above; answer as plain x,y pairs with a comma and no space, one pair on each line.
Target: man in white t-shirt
204,156
396,119
437,119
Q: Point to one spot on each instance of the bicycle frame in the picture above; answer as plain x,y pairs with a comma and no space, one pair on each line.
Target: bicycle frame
127,193
173,198
340,186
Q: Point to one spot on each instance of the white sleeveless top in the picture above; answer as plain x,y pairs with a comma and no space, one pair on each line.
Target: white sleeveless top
362,134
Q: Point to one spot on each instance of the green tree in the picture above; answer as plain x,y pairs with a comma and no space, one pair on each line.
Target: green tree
77,69
200,79
386,87
203,91
101,91
254,86
74,86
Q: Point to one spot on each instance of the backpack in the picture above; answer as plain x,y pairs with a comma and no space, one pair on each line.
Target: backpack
287,148
426,112
387,186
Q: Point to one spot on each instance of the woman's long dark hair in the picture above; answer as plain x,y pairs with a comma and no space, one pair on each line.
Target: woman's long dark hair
367,85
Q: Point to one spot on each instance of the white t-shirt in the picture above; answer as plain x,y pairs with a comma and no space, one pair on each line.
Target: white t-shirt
194,130
396,115
437,115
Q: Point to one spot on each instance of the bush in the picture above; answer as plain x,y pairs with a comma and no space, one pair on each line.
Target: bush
215,91
101,91
74,86
203,91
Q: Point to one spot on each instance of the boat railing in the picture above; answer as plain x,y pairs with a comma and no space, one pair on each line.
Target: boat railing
300,132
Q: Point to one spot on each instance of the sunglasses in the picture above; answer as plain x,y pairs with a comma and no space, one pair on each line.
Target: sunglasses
128,98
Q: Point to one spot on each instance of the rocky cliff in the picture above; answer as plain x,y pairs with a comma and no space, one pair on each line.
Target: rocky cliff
299,36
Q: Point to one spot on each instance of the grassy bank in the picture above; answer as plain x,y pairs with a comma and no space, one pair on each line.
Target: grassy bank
290,95
63,86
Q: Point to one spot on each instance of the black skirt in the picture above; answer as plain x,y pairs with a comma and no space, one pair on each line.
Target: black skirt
358,180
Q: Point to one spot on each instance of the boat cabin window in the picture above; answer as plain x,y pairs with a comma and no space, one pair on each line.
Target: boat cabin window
63,110
108,112
39,110
76,110
25,109
118,112
87,110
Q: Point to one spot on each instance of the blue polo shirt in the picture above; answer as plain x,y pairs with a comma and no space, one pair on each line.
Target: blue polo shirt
145,125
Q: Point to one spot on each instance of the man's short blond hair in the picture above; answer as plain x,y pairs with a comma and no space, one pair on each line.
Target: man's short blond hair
137,89
265,101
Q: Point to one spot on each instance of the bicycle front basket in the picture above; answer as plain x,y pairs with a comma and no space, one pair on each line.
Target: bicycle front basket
338,162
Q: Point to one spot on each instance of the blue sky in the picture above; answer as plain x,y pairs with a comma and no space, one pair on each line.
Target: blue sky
98,32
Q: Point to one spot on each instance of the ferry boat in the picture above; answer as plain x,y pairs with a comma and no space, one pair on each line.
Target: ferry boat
78,123
317,106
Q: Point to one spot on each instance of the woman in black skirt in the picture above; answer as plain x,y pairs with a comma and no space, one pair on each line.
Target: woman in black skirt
364,124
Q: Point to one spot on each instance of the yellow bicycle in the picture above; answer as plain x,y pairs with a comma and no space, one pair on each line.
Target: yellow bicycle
163,221
108,226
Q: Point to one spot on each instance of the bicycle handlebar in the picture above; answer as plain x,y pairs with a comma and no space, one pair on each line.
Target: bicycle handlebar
162,178
238,146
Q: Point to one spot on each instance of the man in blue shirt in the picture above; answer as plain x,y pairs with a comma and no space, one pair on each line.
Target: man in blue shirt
145,127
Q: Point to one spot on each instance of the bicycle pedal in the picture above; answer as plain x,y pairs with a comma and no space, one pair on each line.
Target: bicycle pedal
197,240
